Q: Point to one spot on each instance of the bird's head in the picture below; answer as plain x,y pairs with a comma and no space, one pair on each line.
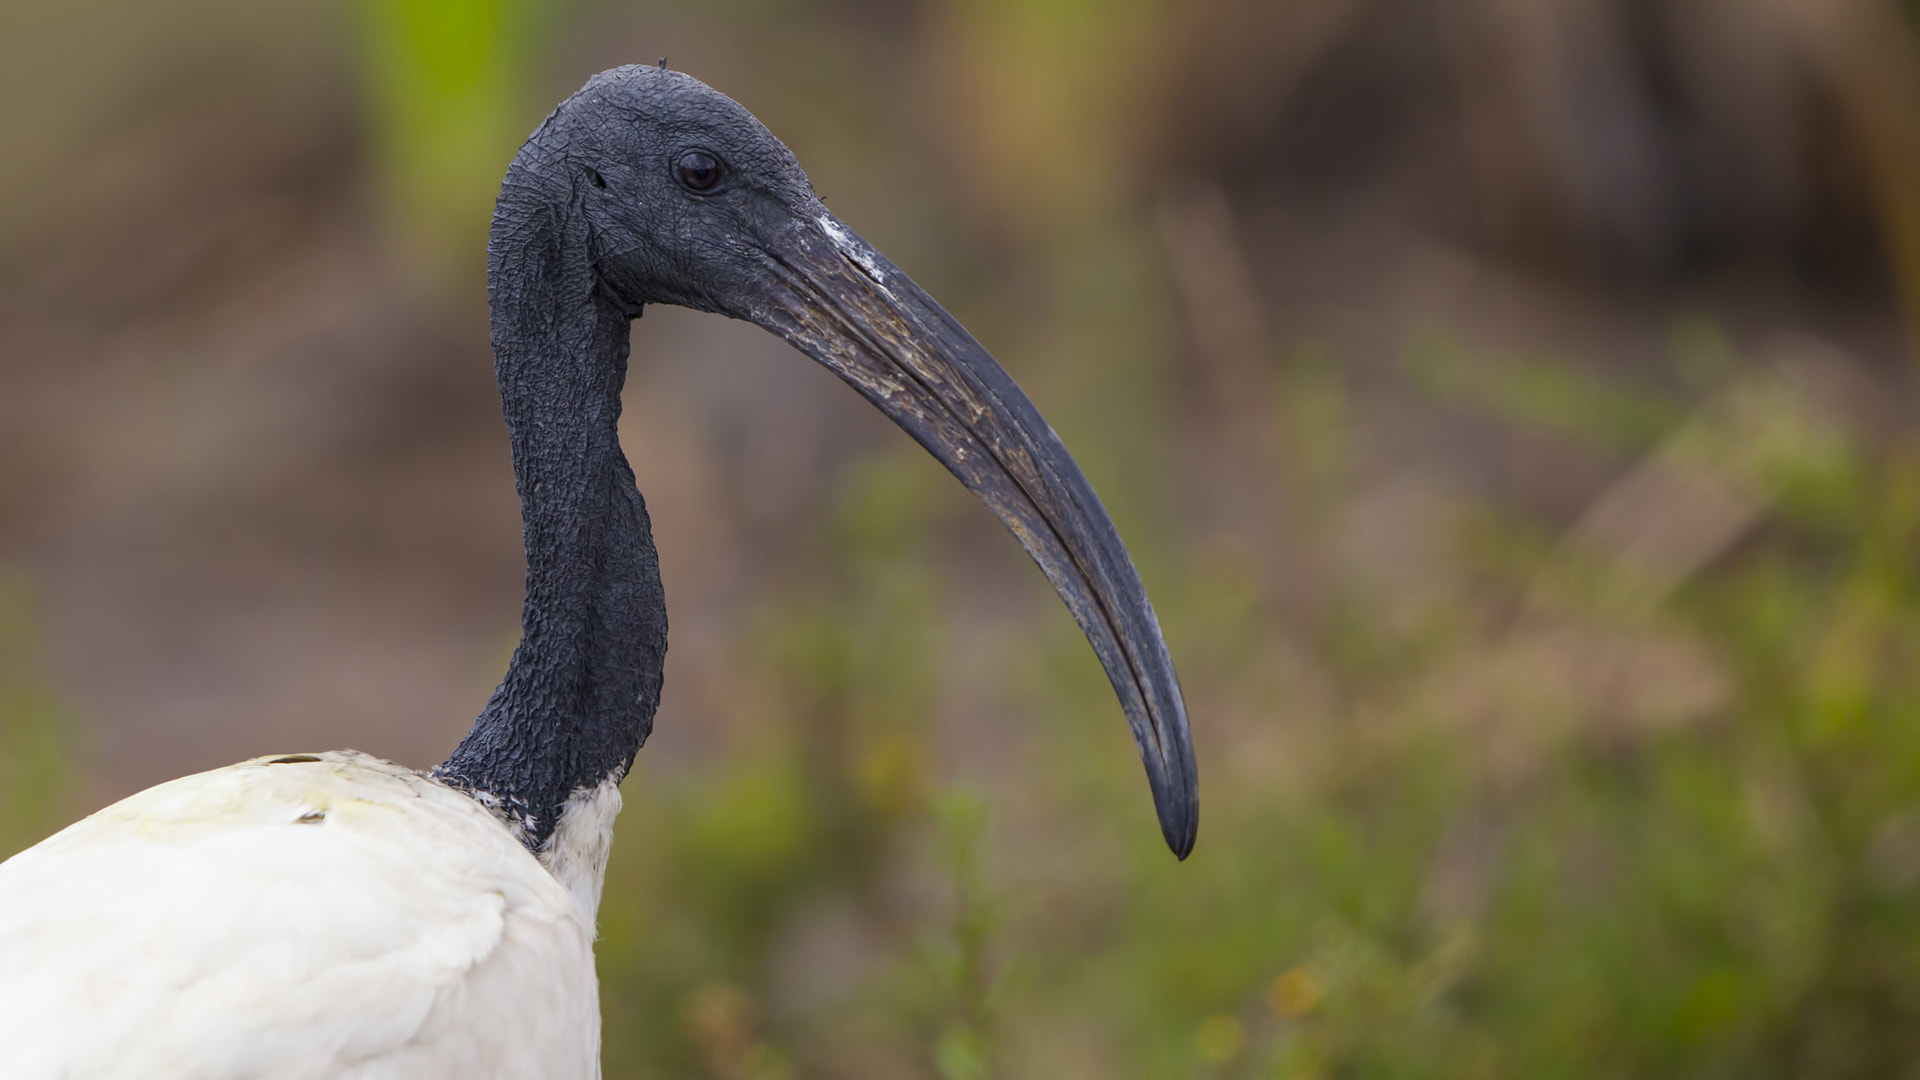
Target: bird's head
684,192
687,199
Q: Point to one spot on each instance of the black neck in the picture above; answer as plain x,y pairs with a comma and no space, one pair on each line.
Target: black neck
579,697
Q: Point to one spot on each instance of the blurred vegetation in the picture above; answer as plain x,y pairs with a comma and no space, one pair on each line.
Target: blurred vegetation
1635,796
35,731
1489,845
448,98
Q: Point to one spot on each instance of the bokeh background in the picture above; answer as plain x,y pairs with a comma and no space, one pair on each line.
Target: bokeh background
1509,404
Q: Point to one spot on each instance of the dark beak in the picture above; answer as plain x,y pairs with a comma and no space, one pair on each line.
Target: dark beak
839,301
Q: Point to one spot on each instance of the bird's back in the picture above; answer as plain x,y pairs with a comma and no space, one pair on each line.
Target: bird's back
311,917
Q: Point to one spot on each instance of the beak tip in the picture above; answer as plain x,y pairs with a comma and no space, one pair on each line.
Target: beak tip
1178,804
1182,846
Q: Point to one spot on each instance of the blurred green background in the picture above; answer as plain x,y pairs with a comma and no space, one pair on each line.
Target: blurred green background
1509,404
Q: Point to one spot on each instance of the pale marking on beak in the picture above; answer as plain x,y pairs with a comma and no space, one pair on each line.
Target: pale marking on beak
844,240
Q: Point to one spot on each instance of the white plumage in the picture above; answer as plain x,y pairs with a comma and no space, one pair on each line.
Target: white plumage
329,916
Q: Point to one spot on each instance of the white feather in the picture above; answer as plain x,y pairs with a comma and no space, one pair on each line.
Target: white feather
337,919
576,854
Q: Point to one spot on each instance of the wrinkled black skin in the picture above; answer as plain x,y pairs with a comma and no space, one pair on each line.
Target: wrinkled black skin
590,226
593,224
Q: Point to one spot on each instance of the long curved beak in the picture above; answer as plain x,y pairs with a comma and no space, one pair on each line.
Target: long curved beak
841,302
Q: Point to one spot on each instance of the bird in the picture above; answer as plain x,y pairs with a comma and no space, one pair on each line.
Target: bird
323,916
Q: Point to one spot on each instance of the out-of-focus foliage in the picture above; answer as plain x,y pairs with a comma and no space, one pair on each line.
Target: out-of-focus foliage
1514,835
1623,781
447,82
35,731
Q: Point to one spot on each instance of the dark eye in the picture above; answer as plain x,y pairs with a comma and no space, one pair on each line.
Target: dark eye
698,170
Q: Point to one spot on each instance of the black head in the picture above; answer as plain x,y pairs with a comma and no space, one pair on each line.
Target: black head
682,189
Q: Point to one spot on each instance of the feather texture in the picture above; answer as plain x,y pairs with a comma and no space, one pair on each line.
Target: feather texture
306,918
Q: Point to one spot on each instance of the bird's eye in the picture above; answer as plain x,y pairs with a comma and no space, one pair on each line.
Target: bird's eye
698,170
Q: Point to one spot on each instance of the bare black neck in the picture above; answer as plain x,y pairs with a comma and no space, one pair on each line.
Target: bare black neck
579,697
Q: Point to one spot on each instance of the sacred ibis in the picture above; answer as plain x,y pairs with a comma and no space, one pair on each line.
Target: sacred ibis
334,915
